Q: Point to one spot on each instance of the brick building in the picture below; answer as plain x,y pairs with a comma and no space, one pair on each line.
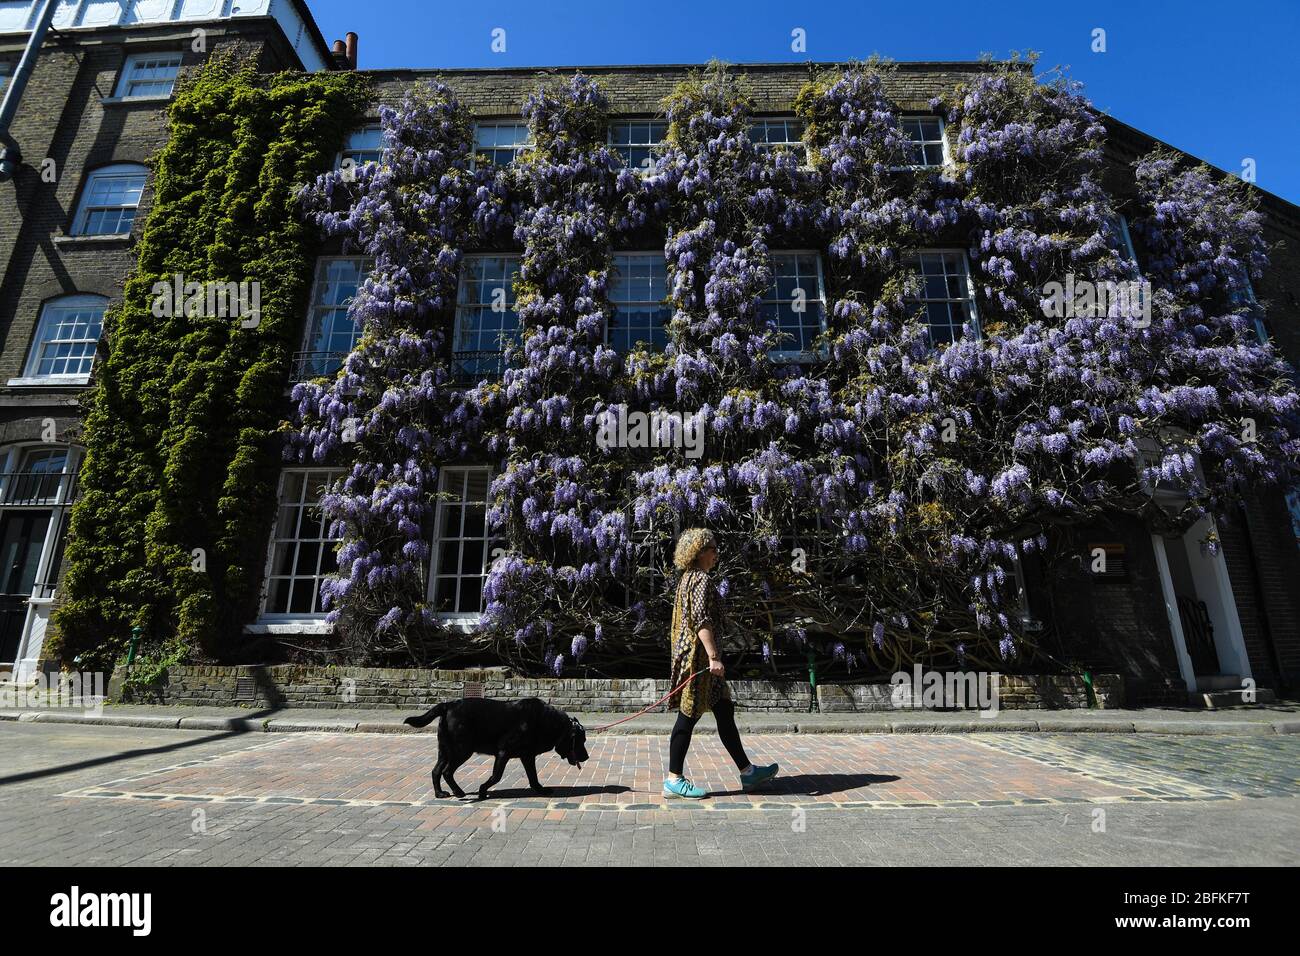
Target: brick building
89,120
1169,617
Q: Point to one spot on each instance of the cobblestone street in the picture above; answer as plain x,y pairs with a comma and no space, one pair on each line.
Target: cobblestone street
110,795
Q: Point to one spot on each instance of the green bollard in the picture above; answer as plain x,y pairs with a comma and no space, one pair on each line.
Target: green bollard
135,639
812,682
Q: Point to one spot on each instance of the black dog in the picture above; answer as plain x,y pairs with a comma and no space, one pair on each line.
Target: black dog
521,728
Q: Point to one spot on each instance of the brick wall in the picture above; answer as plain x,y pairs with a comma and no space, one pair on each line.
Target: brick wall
68,114
293,686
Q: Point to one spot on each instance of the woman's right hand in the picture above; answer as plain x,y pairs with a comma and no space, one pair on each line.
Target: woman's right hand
716,668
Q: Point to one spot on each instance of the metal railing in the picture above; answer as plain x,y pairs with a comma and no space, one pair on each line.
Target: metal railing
469,368
309,365
36,489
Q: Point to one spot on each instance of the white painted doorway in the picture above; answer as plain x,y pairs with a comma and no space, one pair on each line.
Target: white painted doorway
1201,608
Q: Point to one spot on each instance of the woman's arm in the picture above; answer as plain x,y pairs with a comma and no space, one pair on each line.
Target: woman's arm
710,645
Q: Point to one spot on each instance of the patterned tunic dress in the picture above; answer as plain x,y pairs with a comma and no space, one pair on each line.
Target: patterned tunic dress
696,606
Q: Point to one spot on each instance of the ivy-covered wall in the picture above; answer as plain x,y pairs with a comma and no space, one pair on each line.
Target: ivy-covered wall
182,450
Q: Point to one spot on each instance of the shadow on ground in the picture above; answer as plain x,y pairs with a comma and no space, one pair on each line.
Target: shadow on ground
815,784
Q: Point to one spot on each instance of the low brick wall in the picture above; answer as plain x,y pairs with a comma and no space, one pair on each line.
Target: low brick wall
417,689
1014,692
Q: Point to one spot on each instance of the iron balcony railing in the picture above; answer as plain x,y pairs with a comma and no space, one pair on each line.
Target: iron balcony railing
469,368
37,489
309,365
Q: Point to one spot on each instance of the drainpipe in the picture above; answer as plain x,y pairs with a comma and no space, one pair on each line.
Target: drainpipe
10,154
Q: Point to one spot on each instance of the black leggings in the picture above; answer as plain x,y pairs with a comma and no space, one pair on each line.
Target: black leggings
724,712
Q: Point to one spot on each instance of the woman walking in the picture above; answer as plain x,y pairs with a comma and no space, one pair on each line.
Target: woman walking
696,637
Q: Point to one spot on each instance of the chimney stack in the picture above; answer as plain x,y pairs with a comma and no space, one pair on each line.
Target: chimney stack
351,49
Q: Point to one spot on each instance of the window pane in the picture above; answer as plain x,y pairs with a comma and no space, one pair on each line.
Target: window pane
795,302
783,133
501,143
635,141
637,292
486,320
364,145
925,140
66,338
331,333
109,203
302,551
463,545
945,294
151,75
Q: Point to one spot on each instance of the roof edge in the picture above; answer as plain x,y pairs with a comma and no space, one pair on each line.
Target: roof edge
970,66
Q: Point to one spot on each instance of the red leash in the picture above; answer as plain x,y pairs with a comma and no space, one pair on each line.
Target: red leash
596,730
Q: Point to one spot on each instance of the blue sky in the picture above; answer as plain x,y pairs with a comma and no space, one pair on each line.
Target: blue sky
1216,79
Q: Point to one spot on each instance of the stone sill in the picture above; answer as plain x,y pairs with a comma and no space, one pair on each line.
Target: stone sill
94,242
302,626
152,101
49,383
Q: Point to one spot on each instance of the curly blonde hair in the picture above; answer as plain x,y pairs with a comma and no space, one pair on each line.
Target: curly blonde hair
690,544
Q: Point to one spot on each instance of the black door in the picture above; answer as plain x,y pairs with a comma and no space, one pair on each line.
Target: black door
1198,634
22,537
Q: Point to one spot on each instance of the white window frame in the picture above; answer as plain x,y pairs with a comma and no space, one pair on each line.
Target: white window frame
126,80
461,473
964,258
635,121
518,148
1122,221
85,207
797,146
637,302
464,308
324,563
49,318
1257,312
943,139
314,307
58,503
799,355
350,152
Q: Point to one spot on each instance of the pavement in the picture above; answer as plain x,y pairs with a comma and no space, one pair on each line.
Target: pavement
120,795
1279,718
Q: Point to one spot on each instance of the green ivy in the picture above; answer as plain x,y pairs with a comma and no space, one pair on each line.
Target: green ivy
182,443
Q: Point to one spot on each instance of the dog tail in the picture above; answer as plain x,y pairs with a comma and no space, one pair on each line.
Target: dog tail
425,719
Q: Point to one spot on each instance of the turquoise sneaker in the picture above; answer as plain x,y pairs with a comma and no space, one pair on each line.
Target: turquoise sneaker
681,787
758,775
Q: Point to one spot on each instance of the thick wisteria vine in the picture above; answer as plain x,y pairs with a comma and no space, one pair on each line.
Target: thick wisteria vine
874,491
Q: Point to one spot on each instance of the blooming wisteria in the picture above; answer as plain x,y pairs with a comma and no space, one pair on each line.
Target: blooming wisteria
892,418
390,416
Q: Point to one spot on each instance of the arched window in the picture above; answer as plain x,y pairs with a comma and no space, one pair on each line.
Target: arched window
109,200
63,349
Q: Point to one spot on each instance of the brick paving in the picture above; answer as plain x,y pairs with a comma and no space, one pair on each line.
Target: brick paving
183,798
626,773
